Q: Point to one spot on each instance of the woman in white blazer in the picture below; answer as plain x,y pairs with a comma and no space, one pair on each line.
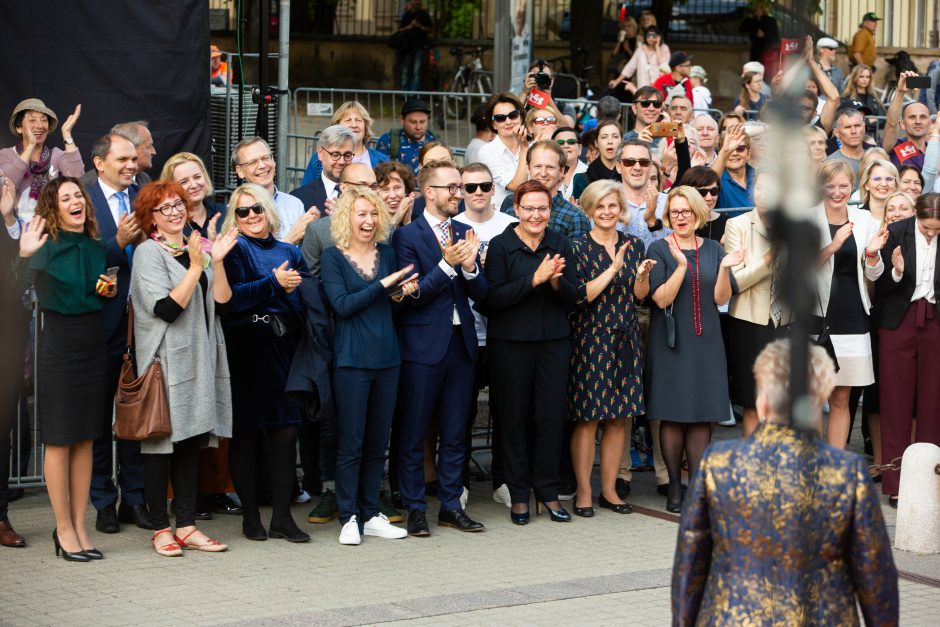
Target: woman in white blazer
851,242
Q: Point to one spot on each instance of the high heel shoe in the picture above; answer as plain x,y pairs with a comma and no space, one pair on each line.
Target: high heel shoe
77,556
557,515
519,519
93,554
620,508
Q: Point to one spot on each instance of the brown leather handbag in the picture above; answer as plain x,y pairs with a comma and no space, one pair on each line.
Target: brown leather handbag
140,405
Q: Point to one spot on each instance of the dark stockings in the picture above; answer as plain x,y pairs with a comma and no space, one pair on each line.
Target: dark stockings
676,438
280,447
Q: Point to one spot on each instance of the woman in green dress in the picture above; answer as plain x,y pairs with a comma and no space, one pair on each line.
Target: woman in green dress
61,255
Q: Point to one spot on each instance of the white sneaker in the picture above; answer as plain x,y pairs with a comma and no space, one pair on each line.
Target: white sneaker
464,497
303,497
379,527
350,532
501,495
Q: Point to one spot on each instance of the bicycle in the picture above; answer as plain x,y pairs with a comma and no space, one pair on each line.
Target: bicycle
468,78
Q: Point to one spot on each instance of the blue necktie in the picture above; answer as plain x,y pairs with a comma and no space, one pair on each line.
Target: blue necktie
122,211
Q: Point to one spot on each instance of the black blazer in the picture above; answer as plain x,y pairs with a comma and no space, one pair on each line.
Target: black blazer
312,194
893,299
309,383
517,311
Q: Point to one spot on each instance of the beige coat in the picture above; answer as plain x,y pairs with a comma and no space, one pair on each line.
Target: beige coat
752,302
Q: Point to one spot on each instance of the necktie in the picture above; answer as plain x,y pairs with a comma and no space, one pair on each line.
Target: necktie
122,211
776,308
444,234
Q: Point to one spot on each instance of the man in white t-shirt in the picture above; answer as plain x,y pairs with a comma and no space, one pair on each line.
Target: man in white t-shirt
480,214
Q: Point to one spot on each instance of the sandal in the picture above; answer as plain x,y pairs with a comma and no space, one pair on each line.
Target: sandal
170,549
211,546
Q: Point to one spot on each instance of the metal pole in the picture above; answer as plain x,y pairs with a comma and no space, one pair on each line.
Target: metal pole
934,27
283,61
502,46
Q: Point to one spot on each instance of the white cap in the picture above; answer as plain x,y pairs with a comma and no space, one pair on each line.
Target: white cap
753,66
827,42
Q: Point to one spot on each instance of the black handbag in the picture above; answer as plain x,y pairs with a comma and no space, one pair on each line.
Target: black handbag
823,337
670,321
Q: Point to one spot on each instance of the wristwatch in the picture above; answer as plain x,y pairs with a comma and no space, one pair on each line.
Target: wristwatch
657,226
69,141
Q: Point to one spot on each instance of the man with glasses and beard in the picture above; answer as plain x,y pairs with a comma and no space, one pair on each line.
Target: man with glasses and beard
647,107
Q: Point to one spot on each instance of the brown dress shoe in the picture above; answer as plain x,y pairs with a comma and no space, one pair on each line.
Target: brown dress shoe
8,537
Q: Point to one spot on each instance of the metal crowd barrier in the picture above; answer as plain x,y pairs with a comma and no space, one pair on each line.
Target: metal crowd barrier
27,453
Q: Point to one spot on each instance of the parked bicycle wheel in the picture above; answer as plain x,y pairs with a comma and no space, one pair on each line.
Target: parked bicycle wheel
456,83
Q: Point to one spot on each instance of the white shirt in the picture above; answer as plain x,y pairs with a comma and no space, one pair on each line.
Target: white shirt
442,264
330,186
502,163
565,189
113,203
925,258
290,209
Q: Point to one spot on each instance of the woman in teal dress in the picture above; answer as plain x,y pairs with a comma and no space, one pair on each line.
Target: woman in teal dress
61,255
606,382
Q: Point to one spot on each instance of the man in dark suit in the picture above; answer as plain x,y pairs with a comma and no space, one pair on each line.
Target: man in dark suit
335,150
438,344
138,132
115,159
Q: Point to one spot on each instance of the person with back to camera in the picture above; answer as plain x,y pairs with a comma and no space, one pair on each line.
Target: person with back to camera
781,528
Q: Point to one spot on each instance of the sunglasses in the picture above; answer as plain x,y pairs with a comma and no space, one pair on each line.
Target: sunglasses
570,142
741,148
656,104
242,212
502,117
541,121
708,191
471,188
644,163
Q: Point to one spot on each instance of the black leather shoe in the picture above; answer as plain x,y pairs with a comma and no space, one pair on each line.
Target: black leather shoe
674,508
135,514
397,501
620,508
622,486
92,554
459,520
202,512
662,489
221,504
287,529
107,521
557,515
583,512
520,518
418,524
251,525
893,501
77,556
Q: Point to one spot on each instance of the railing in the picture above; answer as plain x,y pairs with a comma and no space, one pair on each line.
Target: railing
27,454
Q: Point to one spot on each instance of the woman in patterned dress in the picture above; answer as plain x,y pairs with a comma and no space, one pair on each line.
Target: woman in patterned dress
606,382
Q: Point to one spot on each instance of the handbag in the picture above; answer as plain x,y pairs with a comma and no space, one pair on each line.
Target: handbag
670,327
141,409
823,337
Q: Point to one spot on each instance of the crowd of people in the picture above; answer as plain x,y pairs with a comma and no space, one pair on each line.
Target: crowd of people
591,279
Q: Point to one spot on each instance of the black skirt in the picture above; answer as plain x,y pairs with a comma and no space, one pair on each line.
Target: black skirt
71,386
745,342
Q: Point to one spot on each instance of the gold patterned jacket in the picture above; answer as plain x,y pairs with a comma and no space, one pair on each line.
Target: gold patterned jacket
779,528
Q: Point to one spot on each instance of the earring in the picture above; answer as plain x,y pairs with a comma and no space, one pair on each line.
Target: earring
762,419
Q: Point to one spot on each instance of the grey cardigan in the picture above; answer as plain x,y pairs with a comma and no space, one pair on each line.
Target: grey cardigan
193,356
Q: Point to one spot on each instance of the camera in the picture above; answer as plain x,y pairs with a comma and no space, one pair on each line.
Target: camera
543,80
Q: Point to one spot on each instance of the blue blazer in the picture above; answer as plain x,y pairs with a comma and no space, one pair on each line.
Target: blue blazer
425,323
315,167
312,194
114,308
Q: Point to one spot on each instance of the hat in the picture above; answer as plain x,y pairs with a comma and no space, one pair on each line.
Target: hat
871,16
214,51
752,66
414,104
827,42
34,104
698,71
678,58
849,103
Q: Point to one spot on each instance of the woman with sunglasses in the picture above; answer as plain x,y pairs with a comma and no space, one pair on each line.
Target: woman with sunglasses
262,329
503,153
645,63
708,185
567,138
608,138
178,286
737,175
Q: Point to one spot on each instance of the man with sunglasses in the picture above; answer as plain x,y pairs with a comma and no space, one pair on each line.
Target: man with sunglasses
647,107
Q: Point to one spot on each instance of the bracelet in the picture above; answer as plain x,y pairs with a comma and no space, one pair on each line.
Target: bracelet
870,255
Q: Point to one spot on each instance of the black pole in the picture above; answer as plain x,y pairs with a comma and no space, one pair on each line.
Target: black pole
261,94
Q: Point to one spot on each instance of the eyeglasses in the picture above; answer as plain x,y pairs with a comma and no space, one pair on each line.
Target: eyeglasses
741,148
535,209
502,117
242,212
178,206
453,188
646,104
708,191
471,188
683,213
542,121
879,179
807,108
644,163
336,156
570,142
373,186
265,159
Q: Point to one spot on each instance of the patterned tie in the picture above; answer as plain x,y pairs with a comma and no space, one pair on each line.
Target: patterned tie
776,307
444,233
122,211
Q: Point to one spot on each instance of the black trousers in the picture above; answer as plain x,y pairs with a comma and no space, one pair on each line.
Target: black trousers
528,386
181,467
12,360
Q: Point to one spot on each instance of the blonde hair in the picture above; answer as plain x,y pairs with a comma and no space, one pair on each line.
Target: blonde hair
863,193
696,204
772,375
902,195
262,197
829,169
179,159
341,218
850,91
355,105
597,191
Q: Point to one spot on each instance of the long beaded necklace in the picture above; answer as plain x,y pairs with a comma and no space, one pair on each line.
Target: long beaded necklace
696,289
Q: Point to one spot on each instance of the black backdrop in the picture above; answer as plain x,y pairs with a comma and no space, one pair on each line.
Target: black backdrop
121,60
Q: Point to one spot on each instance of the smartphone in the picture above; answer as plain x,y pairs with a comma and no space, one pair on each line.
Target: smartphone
918,82
664,129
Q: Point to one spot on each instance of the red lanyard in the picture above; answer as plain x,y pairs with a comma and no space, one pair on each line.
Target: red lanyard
696,289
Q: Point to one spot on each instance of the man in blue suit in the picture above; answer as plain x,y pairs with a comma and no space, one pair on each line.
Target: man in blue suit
115,159
438,344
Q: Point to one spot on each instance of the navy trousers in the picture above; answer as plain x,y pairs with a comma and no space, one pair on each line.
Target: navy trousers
443,390
365,403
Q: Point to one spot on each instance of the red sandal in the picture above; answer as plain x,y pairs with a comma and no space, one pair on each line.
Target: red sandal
170,549
211,546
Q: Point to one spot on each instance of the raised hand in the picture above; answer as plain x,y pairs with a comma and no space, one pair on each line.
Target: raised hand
734,258
472,246
296,233
397,276
677,253
645,135
877,242
212,229
286,277
643,270
7,202
897,260
328,206
33,237
844,232
544,272
223,244
197,258
69,123
733,137
617,262
128,230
